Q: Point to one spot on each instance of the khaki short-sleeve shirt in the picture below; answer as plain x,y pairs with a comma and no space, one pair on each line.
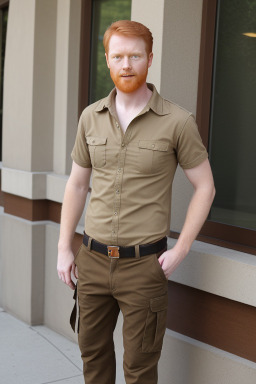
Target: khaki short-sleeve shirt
132,176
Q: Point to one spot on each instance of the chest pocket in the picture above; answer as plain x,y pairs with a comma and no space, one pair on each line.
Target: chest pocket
153,156
97,149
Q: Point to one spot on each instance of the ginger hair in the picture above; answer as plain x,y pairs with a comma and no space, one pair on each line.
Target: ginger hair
130,29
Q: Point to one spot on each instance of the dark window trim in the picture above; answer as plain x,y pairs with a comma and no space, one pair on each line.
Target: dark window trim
223,323
85,42
206,68
212,232
4,3
224,237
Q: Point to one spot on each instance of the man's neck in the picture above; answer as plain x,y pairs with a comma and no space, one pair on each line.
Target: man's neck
129,105
133,100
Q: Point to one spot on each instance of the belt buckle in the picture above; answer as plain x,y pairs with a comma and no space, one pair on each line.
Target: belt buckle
113,251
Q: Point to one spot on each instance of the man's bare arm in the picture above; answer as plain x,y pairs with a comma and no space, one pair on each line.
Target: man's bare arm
204,192
72,208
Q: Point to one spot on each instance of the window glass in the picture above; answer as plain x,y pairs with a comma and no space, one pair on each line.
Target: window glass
233,115
3,29
103,14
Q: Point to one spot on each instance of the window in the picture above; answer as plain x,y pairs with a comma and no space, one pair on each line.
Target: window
3,29
226,117
97,15
233,115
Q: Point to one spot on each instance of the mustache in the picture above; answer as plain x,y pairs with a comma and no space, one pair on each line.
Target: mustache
126,74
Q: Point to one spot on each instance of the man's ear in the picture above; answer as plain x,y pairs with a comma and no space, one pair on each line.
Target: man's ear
106,55
150,59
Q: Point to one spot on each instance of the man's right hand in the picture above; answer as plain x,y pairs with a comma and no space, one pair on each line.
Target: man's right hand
65,266
73,204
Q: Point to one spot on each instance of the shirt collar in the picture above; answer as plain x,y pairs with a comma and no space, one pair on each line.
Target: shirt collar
156,103
107,102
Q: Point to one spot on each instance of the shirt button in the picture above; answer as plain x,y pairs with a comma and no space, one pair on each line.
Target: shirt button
93,141
153,145
119,170
117,191
115,213
117,125
122,144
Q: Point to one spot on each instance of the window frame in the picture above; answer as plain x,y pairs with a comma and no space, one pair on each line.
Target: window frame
3,5
229,236
85,49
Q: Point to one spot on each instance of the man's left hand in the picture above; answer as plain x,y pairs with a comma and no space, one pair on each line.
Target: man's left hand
170,260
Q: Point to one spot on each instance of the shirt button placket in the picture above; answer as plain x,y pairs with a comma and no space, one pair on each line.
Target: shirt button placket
118,182
117,197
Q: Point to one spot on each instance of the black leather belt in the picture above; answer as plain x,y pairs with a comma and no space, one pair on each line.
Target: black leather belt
116,252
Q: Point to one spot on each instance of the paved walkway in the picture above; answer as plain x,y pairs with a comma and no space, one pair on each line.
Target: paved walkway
37,355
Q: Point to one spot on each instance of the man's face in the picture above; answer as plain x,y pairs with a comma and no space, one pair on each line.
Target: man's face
128,62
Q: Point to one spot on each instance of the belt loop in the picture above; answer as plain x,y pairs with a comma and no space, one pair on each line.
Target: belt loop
137,251
89,243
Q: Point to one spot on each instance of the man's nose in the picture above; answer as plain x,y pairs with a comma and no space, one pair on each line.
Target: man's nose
126,63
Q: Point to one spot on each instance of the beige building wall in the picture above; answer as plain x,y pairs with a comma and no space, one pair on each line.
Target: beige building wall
180,67
22,268
40,119
29,85
39,127
66,83
17,118
187,361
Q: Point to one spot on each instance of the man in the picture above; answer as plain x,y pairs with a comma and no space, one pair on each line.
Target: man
133,140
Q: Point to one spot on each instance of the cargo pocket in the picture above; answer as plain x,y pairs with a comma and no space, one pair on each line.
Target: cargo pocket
97,149
152,155
155,324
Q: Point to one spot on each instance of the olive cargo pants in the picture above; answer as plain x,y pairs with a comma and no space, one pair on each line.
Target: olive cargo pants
137,287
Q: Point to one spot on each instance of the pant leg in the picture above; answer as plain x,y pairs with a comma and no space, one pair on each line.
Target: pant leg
142,297
98,313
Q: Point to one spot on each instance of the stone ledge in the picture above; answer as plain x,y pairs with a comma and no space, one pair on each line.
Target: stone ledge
34,185
221,271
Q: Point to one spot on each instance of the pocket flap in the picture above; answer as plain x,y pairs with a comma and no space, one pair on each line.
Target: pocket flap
153,145
92,140
159,303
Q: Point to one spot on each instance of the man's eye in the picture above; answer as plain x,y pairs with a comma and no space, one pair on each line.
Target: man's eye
134,56
117,57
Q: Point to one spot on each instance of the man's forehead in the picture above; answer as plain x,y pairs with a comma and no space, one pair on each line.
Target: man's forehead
118,41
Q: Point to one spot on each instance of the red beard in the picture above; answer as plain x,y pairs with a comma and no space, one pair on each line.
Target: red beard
128,84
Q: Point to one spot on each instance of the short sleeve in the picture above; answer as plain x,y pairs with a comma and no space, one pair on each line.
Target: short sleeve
80,153
190,149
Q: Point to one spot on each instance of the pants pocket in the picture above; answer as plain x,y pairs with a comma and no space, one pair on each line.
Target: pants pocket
77,253
159,269
155,325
